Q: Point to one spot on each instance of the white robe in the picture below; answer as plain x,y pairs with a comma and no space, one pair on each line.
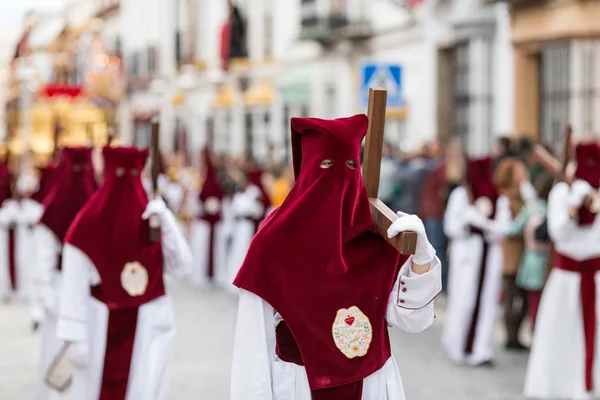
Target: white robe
31,212
174,194
15,213
244,205
258,374
465,252
47,286
200,241
83,321
556,363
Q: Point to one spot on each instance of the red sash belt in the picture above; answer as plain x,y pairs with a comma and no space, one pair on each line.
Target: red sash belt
120,337
587,269
288,351
212,224
472,332
12,258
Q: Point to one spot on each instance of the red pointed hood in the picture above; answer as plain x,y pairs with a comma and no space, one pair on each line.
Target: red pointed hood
74,186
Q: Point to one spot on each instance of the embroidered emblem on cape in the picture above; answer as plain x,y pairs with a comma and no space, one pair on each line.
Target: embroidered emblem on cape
484,206
212,206
134,279
352,332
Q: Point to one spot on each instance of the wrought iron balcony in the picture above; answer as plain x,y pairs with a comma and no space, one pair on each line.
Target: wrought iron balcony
334,21
106,8
519,4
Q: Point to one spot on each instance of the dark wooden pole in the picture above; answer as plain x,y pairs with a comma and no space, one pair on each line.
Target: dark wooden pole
405,242
155,160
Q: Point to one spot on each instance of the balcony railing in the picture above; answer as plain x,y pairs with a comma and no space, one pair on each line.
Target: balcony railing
331,21
107,8
520,4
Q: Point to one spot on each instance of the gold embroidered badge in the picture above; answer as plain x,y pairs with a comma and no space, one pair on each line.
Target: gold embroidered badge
134,279
352,332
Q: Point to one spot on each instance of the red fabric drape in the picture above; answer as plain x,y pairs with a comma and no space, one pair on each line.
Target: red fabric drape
587,270
73,188
12,261
225,45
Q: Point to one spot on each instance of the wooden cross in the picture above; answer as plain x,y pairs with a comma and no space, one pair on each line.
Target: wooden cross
155,165
405,242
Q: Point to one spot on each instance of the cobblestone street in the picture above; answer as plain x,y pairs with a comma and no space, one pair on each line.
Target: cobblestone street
203,352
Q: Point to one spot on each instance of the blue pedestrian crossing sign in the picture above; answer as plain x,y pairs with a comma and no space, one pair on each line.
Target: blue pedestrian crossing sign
387,76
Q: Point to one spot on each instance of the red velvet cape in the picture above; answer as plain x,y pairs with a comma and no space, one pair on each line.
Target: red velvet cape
5,180
111,232
74,186
587,156
319,252
48,175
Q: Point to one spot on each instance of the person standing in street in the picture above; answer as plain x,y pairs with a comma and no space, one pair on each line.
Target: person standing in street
432,203
512,181
74,186
207,236
319,287
476,221
564,361
114,311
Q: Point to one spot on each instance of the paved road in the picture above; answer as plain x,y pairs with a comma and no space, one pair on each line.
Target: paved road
203,352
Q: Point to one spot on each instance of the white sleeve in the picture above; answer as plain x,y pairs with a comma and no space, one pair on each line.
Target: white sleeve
498,227
410,306
46,252
253,349
560,225
9,213
247,204
177,254
78,275
32,212
455,223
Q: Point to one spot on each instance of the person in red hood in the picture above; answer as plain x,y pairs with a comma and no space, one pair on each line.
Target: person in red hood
250,206
476,220
564,361
114,310
32,191
207,236
319,287
74,186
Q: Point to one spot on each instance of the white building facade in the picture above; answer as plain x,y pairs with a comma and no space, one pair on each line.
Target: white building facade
304,59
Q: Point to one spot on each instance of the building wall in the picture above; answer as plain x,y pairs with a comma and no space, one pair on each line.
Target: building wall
534,29
410,38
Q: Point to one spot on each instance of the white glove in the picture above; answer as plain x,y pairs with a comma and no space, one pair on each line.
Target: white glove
425,253
579,190
79,354
473,217
156,206
527,191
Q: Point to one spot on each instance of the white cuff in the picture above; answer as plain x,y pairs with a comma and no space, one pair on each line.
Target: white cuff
71,330
418,290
